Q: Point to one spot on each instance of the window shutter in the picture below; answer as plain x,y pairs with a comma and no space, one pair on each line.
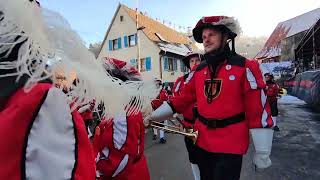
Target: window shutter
119,43
175,64
148,63
136,38
110,45
166,63
181,66
125,38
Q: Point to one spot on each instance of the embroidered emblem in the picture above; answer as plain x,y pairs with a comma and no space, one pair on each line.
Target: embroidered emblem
212,88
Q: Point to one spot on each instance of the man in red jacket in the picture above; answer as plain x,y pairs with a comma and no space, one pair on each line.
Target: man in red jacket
272,89
230,96
190,61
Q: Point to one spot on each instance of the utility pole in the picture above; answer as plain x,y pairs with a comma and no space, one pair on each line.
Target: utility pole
138,39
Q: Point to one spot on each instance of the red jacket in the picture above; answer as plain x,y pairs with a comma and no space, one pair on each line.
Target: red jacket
238,88
177,89
163,96
86,110
272,92
40,137
120,148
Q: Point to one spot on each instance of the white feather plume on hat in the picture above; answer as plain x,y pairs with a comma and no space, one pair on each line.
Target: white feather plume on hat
231,23
48,39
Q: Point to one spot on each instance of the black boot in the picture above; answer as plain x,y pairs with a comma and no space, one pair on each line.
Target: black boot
154,137
162,140
276,128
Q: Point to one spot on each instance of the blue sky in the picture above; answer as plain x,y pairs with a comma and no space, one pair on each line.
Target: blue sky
91,18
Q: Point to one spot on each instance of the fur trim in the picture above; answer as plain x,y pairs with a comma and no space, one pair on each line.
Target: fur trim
206,22
231,23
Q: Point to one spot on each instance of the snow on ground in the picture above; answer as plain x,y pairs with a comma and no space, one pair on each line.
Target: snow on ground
287,99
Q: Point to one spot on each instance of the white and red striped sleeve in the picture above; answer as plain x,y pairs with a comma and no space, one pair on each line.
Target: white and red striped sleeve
256,107
112,162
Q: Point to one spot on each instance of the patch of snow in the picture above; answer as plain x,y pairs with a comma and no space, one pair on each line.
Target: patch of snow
290,100
180,49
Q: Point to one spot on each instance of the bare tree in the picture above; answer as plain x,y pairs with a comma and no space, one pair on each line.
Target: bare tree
249,46
95,48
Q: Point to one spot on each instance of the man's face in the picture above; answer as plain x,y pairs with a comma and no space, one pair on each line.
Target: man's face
211,39
194,61
267,77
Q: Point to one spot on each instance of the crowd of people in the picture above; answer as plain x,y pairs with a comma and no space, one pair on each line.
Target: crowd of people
223,97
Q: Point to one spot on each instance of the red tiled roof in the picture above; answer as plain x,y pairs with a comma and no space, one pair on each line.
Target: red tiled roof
152,27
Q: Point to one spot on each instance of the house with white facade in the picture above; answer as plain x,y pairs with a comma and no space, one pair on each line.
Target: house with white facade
161,47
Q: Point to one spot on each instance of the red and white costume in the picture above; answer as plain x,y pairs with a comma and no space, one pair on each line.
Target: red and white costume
229,92
272,92
120,148
188,116
86,110
163,96
239,84
41,138
119,145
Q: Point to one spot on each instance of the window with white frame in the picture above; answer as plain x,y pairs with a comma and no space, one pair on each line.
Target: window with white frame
144,63
170,64
115,44
132,40
134,63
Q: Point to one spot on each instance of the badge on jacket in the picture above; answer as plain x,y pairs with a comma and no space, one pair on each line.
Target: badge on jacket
212,88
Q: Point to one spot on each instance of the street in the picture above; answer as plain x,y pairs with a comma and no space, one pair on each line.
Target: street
295,153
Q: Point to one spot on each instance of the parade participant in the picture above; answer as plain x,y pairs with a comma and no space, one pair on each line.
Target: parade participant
119,142
47,136
229,92
41,137
272,89
163,96
190,61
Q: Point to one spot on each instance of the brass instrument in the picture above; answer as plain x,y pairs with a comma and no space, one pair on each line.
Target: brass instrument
175,129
